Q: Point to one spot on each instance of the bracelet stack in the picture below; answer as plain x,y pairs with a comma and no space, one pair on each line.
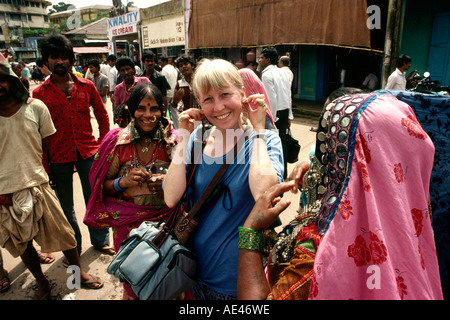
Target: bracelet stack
117,186
250,239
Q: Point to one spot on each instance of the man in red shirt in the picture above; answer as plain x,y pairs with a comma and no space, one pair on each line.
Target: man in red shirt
69,99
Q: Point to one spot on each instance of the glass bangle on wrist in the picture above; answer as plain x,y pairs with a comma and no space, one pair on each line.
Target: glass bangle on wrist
250,239
117,186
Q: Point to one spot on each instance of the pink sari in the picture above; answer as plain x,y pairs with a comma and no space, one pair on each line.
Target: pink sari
378,242
107,211
253,85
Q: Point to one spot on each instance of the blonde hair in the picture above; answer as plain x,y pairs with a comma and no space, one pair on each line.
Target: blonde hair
215,74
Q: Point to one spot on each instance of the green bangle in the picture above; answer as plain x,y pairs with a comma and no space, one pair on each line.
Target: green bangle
250,239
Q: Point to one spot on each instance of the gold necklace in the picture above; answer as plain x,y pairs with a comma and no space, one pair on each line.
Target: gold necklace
145,148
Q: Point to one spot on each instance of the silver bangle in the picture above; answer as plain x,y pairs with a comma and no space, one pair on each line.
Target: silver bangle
261,136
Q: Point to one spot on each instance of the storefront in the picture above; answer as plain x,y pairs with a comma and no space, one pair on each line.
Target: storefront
84,54
26,54
319,36
123,34
165,37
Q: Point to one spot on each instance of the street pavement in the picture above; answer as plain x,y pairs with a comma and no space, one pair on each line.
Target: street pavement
23,283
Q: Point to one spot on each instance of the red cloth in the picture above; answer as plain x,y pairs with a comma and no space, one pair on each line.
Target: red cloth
72,119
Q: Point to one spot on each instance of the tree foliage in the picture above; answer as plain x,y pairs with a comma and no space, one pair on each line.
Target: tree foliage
61,6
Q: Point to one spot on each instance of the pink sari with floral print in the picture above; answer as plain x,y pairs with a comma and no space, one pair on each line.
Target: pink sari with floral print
380,244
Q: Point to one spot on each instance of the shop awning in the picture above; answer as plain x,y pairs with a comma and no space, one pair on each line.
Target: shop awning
81,50
274,22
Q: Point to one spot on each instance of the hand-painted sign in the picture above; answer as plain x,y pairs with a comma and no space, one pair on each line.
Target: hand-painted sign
164,33
124,24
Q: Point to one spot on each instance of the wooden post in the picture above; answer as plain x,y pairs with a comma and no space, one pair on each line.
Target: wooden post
392,40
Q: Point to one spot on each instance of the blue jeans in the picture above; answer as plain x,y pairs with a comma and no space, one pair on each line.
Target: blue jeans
63,178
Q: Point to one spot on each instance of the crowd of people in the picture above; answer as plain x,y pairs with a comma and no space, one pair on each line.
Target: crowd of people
367,179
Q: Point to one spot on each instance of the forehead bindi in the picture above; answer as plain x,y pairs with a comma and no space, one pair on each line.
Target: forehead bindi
148,102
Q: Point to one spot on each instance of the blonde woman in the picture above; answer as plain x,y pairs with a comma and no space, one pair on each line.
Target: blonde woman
258,165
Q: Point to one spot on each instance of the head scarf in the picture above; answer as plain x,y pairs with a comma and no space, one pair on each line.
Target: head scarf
431,111
253,85
375,163
21,93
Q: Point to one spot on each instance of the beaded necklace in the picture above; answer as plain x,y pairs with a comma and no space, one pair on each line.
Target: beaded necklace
134,156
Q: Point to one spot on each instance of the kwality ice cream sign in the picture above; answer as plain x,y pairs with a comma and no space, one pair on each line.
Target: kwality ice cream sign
123,25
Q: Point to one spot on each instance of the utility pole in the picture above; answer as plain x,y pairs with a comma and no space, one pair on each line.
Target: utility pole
392,39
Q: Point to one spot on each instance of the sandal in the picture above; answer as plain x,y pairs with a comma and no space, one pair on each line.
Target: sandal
5,283
45,258
94,283
106,250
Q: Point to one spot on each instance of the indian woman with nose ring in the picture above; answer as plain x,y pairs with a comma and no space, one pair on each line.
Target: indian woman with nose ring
128,170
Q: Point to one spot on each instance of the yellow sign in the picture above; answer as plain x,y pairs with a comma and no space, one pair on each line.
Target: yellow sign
166,33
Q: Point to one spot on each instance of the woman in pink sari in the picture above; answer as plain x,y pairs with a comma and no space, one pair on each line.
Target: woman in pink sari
366,226
128,170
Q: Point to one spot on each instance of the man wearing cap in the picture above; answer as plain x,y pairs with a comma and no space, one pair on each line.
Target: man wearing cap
29,208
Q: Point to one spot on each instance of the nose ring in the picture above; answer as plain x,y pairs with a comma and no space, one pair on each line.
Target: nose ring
152,119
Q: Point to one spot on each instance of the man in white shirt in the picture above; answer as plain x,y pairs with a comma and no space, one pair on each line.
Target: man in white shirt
284,63
104,69
112,75
397,80
171,74
370,82
278,86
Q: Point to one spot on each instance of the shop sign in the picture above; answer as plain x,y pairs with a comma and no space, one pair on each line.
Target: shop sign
166,33
122,25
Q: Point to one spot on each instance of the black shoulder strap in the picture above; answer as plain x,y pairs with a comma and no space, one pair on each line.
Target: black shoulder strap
199,144
170,223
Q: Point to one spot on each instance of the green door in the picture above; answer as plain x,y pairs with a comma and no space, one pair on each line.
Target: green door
439,58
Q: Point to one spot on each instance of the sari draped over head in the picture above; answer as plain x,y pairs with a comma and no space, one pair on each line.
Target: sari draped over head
107,211
432,112
254,85
377,240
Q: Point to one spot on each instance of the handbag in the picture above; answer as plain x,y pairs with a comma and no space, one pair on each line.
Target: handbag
293,148
154,264
152,260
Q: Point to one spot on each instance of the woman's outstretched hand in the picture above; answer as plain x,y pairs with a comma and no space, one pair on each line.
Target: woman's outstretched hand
268,207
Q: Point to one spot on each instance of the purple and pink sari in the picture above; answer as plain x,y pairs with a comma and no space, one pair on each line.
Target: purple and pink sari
377,240
107,211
